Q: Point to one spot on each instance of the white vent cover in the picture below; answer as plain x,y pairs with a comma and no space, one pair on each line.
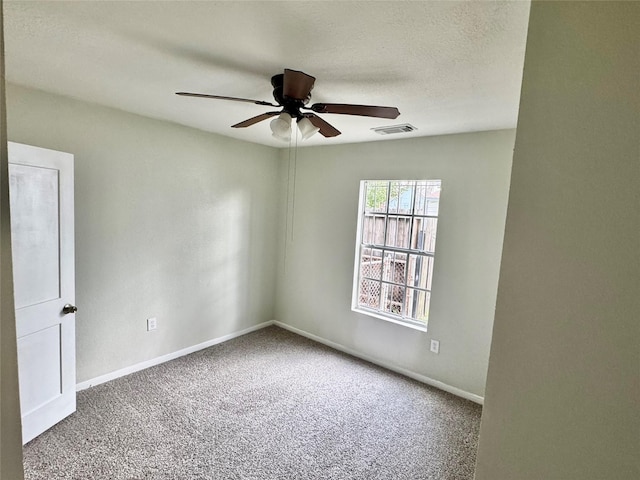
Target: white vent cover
403,128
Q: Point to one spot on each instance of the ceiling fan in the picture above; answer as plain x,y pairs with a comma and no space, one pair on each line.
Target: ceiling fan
292,92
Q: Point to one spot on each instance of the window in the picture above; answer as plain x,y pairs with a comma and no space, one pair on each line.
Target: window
395,249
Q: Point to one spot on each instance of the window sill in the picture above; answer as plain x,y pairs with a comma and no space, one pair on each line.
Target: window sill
369,313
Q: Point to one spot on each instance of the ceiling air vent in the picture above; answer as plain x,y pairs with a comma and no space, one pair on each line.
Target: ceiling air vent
404,128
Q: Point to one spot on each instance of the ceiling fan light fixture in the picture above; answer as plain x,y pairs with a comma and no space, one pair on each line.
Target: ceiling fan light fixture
281,126
307,129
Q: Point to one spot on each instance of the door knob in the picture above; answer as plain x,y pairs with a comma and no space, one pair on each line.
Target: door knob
68,308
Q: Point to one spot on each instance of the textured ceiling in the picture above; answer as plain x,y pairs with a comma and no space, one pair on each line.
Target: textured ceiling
448,66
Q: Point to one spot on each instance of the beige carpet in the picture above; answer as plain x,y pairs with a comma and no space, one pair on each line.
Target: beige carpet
268,405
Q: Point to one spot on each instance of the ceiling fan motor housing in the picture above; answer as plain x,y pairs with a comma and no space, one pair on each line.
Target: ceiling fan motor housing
290,105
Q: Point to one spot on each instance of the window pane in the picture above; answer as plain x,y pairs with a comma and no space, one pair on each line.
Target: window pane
398,232
392,298
421,198
394,267
376,194
401,197
369,293
371,263
373,230
423,237
420,269
427,197
417,304
429,273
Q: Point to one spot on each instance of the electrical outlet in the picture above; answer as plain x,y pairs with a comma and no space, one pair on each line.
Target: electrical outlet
152,324
435,346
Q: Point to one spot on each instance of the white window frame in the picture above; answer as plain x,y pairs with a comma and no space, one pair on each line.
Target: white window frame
400,319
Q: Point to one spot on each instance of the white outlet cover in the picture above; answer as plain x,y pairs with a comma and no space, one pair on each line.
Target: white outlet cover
152,324
435,346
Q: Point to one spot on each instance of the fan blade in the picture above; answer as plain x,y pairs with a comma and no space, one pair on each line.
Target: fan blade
362,110
254,120
326,129
297,85
235,99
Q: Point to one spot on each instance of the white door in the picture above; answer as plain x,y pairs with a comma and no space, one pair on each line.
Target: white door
41,201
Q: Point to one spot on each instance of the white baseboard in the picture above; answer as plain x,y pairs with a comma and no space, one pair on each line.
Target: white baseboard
186,351
165,358
394,368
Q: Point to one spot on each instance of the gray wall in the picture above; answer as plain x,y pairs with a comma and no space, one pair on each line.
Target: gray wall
10,428
171,223
317,256
563,384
